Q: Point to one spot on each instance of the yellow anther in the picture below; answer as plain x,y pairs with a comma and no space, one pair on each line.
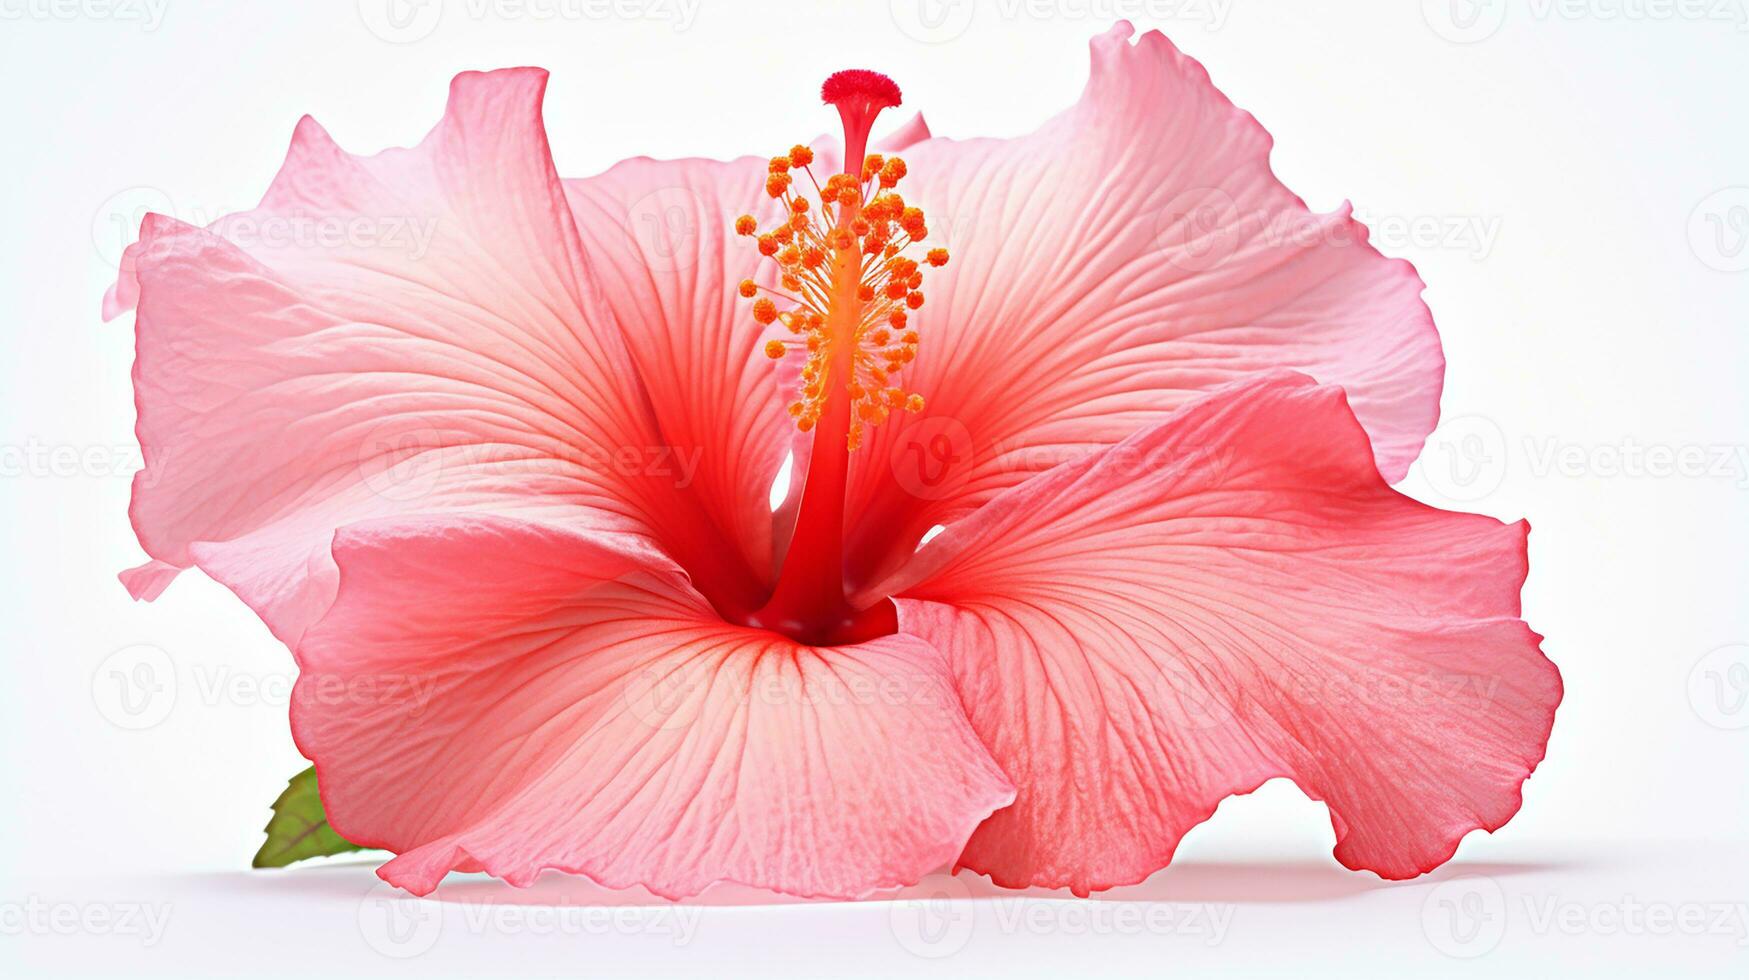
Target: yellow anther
774,349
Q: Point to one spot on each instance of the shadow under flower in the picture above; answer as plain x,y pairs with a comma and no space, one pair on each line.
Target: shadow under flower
1234,882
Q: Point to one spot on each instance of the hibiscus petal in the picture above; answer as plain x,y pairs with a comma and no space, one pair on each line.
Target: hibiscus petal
910,132
412,331
1133,252
619,730
660,239
1232,595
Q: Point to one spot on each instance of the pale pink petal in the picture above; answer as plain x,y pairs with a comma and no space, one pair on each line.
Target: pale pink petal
148,581
619,730
1133,252
911,132
1229,596
409,332
660,238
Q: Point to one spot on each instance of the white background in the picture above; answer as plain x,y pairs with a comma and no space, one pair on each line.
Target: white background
1571,179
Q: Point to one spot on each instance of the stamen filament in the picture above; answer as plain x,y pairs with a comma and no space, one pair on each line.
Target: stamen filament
847,292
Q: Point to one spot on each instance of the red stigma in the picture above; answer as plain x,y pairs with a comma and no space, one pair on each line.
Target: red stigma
859,95
872,87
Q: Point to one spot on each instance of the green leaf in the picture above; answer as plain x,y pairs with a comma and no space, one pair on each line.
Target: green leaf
299,829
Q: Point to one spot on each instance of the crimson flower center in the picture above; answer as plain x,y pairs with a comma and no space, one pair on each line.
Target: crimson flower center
844,294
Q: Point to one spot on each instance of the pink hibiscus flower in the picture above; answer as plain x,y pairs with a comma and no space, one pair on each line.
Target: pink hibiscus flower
525,465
